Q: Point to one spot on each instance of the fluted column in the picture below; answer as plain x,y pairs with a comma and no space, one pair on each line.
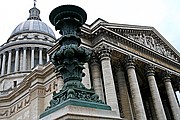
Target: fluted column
16,60
3,64
171,97
32,57
135,91
155,93
24,58
110,92
40,56
96,77
9,62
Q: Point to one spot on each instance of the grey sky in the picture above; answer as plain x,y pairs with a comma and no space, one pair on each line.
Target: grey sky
163,15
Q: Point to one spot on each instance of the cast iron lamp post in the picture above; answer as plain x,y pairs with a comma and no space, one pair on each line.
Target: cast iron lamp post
69,60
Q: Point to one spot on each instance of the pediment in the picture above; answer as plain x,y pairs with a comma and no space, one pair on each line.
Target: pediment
145,36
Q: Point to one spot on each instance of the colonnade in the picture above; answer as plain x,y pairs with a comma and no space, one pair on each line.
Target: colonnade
103,81
21,61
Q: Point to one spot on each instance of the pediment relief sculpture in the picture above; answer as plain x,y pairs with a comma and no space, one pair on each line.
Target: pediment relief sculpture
153,44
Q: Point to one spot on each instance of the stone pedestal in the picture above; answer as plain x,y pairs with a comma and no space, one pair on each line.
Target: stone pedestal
81,113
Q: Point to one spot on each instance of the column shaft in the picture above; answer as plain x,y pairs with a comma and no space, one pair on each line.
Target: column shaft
40,56
32,57
155,95
24,59
3,64
135,91
9,62
47,56
0,60
111,97
86,79
16,60
124,96
172,99
97,79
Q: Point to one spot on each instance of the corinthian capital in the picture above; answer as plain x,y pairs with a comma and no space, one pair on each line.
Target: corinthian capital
149,69
94,58
104,51
166,76
129,60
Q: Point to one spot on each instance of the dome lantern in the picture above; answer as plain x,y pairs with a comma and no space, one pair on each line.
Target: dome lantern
34,13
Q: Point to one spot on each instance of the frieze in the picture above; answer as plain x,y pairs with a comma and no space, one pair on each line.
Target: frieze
5,113
20,105
27,101
15,108
12,110
48,89
150,42
51,87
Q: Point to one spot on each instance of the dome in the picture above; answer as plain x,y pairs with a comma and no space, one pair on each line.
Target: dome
33,26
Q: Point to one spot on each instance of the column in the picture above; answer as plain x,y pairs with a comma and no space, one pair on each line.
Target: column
24,58
0,60
16,60
155,93
171,97
123,92
47,55
135,91
9,62
32,57
109,86
96,78
86,79
3,64
40,56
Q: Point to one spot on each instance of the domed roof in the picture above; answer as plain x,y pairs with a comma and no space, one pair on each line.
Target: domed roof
33,26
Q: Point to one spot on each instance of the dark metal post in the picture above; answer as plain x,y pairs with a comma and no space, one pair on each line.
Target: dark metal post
69,60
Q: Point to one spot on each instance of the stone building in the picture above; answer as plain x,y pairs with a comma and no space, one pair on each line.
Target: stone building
133,69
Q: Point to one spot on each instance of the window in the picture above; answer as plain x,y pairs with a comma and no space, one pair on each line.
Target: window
14,83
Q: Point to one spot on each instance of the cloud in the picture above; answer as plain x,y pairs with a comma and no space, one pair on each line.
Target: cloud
161,14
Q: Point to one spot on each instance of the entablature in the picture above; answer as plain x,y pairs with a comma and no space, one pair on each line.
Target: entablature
143,41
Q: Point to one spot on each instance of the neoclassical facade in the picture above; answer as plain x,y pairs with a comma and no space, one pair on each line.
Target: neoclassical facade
133,69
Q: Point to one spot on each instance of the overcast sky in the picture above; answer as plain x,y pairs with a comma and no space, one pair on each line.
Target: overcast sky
163,15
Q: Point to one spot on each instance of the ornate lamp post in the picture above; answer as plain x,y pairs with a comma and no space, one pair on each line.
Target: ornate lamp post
69,60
